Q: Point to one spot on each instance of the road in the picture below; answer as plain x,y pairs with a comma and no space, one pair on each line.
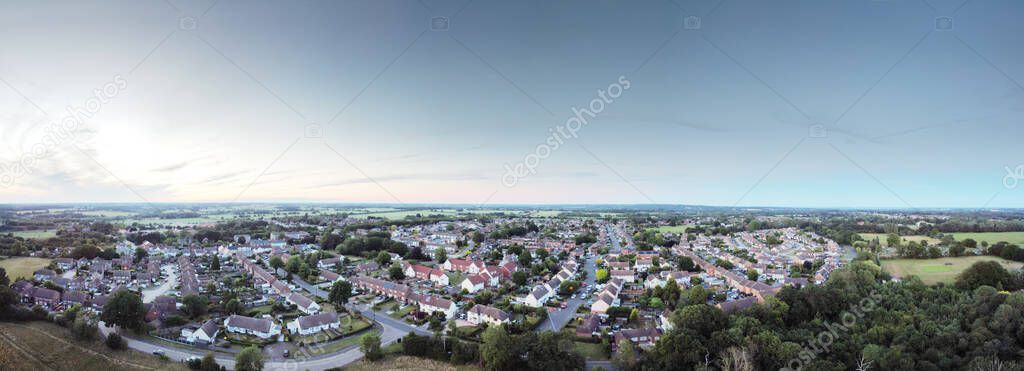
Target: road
172,279
558,319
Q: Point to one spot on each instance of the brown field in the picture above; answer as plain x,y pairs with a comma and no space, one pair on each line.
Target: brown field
46,346
408,363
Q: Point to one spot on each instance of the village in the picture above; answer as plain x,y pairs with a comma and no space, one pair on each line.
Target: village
587,277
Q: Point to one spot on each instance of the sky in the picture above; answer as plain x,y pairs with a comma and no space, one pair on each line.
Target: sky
879,103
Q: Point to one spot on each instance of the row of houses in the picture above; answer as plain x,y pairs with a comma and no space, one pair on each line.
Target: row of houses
426,302
269,284
541,294
608,297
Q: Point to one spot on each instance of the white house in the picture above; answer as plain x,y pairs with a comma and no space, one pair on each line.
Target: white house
431,304
537,297
473,283
204,334
261,328
305,304
308,325
486,314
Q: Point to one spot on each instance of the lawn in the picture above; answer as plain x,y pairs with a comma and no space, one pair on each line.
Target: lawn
36,234
992,237
45,346
23,267
939,270
591,351
672,228
883,236
402,312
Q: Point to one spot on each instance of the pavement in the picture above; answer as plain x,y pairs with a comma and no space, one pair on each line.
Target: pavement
149,295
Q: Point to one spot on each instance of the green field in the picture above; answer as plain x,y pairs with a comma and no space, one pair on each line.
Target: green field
672,228
40,233
883,236
22,267
992,237
939,270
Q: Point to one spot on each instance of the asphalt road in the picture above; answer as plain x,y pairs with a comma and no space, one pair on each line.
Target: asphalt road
558,319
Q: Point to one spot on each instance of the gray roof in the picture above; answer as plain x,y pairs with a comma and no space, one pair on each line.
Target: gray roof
306,322
255,324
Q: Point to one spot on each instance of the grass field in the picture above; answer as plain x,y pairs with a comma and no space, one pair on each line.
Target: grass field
672,228
992,237
883,236
591,351
45,346
41,233
22,267
932,271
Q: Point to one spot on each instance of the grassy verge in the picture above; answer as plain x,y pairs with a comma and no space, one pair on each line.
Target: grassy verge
43,345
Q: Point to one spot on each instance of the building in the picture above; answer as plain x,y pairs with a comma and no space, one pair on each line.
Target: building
463,265
308,325
261,328
44,274
645,338
588,329
538,297
485,314
474,283
431,304
624,275
204,334
46,297
303,303
608,297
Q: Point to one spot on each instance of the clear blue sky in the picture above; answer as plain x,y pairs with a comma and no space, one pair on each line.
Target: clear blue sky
914,115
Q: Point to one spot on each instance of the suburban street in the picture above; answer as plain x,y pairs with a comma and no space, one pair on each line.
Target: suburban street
149,295
558,319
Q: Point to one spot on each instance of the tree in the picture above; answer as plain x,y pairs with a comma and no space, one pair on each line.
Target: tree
601,276
194,305
140,254
215,263
554,351
293,265
396,272
440,255
276,263
892,240
519,277
383,258
115,341
124,309
83,329
369,344
249,359
626,358
209,363
499,350
634,315
340,292
4,281
752,274
525,258
686,263
234,306
985,273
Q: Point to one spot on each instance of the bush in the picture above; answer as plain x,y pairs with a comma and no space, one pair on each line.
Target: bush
172,321
115,342
82,329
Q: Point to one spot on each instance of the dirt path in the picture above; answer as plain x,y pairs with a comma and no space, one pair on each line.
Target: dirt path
28,355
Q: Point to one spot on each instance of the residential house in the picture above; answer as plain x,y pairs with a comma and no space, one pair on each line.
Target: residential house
645,338
303,303
308,325
205,334
486,314
261,328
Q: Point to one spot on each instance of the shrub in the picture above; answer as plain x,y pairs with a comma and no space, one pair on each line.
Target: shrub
115,342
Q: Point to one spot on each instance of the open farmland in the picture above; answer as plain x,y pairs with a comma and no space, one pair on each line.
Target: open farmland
992,237
22,267
945,270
